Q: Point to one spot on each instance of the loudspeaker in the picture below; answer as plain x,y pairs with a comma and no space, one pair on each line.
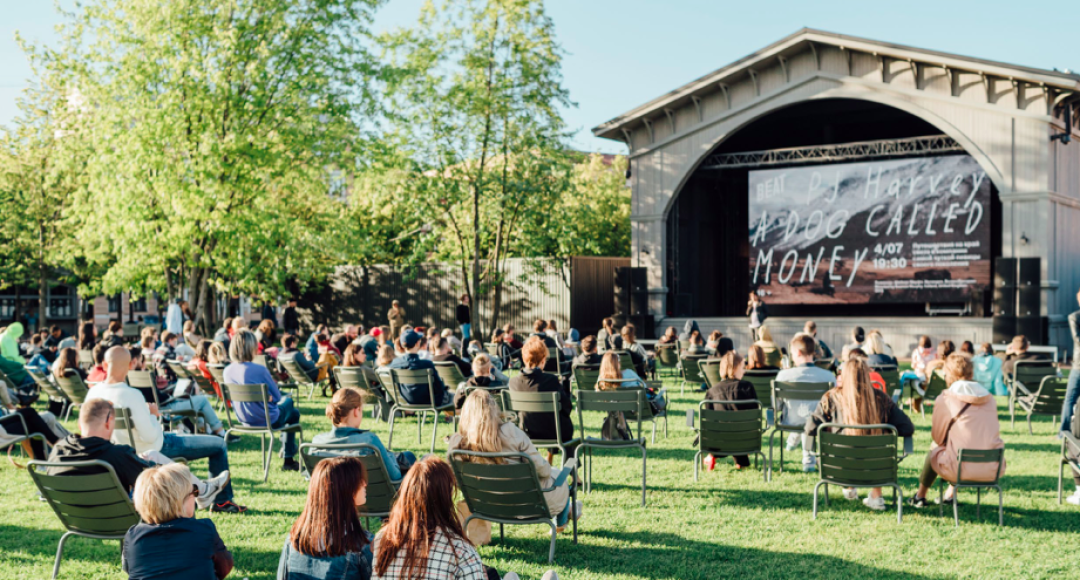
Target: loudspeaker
1029,300
684,303
1004,301
1004,272
1032,327
639,280
622,291
1029,272
639,303
645,325
1004,328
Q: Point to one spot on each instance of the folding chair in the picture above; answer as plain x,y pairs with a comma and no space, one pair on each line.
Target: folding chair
1048,399
301,378
450,374
974,456
509,493
526,402
74,389
723,433
401,377
89,505
620,401
792,404
381,490
851,460
667,357
259,394
691,372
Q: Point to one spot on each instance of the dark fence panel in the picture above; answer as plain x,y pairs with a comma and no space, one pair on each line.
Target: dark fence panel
592,291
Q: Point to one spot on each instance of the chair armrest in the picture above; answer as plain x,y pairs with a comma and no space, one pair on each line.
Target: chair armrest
690,415
909,447
321,365
562,474
15,417
811,442
1069,439
896,394
1021,386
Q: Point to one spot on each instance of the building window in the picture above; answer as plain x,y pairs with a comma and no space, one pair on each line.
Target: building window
114,303
7,308
138,304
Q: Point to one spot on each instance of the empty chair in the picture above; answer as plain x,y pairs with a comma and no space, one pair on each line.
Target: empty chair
1047,399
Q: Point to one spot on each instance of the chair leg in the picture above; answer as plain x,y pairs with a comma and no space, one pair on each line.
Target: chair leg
899,494
554,533
268,456
816,486
434,430
1030,432
643,471
769,465
60,554
390,437
420,427
654,431
665,425
573,501
1012,412
1001,505
697,460
941,498
978,503
956,507
1061,477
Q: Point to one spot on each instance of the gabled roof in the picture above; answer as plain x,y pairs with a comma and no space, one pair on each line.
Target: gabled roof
798,42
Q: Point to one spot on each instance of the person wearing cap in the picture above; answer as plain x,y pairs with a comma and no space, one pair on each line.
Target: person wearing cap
370,343
396,317
417,394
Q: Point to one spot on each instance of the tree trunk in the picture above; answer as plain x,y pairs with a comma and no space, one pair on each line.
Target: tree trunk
43,280
170,287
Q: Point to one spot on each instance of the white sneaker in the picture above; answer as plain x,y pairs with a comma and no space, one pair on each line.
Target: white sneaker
550,575
809,464
1074,499
875,503
793,441
851,493
511,576
211,488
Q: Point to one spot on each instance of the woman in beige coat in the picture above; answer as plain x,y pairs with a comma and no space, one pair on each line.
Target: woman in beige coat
965,417
482,429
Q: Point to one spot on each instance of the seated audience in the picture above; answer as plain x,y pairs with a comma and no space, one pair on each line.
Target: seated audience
731,388
988,370
689,327
191,338
756,359
533,379
114,336
289,353
1018,351
67,363
222,334
266,335
346,412
822,350
773,356
965,417
670,336
455,343
203,357
539,331
858,337
613,377
97,372
483,430
418,393
643,364
607,338
888,349
588,356
714,338
87,336
354,356
9,344
170,543
803,349
876,354
697,345
385,359
327,540
512,338
44,423
242,371
481,377
967,348
441,352
921,356
504,352
855,402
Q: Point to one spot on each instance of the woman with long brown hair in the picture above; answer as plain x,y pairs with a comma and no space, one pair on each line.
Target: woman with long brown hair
731,388
327,540
87,336
67,360
354,356
854,401
423,538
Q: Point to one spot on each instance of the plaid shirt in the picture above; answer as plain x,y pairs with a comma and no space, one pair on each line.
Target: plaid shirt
448,559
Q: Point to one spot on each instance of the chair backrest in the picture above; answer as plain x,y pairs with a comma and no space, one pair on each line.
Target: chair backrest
934,386
292,368
218,372
1050,398
553,364
178,369
850,459
380,489
710,368
92,504
1032,372
351,377
625,360
204,383
526,402
667,355
73,386
795,402
124,423
146,383
86,358
825,363
979,456
586,376
762,381
261,360
683,345
691,371
631,402
44,382
729,432
510,491
891,374
401,377
450,373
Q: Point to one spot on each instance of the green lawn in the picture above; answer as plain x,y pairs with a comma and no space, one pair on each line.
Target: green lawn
730,524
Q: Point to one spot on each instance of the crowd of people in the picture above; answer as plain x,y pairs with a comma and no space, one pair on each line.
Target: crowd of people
423,536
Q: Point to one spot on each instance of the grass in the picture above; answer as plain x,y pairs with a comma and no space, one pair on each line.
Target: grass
729,524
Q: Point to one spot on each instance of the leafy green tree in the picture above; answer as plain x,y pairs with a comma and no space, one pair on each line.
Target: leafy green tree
222,134
476,99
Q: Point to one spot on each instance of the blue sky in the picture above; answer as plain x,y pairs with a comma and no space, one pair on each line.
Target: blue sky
622,53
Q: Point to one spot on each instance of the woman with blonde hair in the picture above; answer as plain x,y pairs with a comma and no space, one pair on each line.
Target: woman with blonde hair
773,356
877,351
731,388
170,542
855,402
386,356
756,359
482,428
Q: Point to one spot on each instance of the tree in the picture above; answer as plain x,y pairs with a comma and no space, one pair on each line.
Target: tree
221,131
476,99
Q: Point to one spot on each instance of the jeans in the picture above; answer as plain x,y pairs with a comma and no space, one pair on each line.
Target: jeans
287,415
564,516
1072,393
466,333
197,447
201,405
807,457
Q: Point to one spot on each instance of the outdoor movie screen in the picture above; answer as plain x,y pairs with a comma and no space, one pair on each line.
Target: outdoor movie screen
904,230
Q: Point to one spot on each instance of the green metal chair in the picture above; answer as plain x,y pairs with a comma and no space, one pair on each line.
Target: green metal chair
122,422
16,439
728,433
648,414
381,490
259,393
586,376
626,401
555,363
450,374
1048,399
74,389
710,368
301,379
1028,373
401,377
365,379
85,359
146,383
667,357
826,363
91,505
691,371
891,374
931,389
792,404
625,360
509,493
525,402
974,456
45,383
851,460
762,381
683,345
1070,455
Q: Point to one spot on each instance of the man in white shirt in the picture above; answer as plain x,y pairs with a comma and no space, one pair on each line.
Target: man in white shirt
802,349
150,441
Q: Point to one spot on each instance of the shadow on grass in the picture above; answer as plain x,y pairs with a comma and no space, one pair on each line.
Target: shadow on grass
40,546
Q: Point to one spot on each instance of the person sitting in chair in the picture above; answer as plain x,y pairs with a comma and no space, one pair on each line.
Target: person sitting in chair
1018,351
346,413
289,352
533,379
418,394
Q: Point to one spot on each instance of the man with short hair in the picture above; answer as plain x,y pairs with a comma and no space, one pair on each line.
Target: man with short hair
352,332
150,441
802,349
97,423
115,334
822,350
588,356
539,326
417,394
441,352
1018,351
289,352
